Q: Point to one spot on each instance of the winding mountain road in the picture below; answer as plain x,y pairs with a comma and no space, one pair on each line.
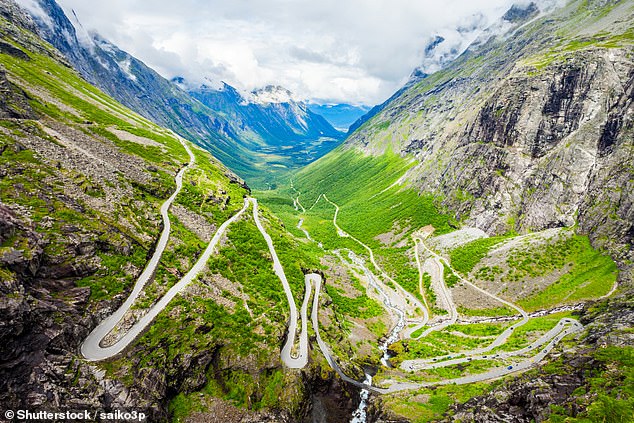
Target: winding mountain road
488,294
565,327
437,275
500,340
315,279
410,300
301,359
91,348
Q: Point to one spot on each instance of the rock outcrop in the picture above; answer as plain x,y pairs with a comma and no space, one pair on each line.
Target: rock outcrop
43,321
527,132
13,101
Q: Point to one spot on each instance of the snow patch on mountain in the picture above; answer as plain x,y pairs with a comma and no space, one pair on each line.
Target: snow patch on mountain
271,94
214,84
124,65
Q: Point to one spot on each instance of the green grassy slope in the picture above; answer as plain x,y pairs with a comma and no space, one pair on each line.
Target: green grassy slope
88,176
370,204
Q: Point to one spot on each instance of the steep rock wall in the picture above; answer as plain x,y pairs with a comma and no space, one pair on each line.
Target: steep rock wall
529,130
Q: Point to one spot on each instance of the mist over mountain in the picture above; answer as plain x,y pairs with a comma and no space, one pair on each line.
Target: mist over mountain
245,137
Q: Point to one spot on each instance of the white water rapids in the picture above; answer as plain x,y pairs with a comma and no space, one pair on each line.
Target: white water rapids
360,415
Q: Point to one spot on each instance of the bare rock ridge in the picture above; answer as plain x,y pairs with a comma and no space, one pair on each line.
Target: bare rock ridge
13,101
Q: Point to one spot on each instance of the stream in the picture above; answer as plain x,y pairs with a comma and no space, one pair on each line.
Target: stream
360,414
299,226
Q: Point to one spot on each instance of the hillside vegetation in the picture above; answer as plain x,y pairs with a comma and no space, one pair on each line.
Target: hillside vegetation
525,136
82,180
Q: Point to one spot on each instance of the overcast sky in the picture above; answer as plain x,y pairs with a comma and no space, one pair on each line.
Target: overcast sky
341,51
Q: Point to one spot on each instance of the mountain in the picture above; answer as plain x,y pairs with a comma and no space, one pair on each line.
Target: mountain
272,122
341,116
530,116
269,115
438,52
512,165
280,119
88,191
248,146
464,255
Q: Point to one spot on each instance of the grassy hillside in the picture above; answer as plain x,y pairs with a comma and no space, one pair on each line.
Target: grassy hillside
373,207
81,182
457,149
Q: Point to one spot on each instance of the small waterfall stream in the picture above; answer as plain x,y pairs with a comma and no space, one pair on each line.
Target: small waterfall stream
360,414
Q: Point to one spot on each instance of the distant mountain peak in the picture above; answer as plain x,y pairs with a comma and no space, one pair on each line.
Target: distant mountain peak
271,94
429,48
233,124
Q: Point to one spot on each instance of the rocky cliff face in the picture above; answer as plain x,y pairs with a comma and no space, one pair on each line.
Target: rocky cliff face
538,148
14,103
528,131
44,320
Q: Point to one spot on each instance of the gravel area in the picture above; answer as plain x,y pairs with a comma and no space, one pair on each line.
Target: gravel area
456,238
126,136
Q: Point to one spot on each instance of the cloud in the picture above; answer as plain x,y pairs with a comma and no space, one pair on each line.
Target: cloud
37,12
354,51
